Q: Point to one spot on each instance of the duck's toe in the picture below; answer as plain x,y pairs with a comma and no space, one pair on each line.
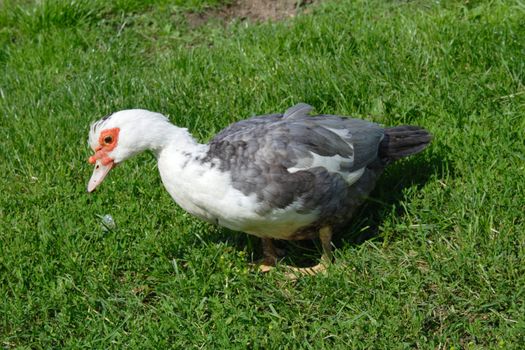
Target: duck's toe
294,273
265,268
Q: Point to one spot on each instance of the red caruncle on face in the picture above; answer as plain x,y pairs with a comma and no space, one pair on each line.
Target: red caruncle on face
107,140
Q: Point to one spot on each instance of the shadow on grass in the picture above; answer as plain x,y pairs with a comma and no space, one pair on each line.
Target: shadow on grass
386,198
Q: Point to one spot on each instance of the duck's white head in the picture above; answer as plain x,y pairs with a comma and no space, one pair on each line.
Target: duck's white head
121,135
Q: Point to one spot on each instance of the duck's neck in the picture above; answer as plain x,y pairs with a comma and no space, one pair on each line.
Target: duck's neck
173,138
186,176
157,134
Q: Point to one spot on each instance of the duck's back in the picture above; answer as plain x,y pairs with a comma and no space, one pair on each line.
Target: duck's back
296,164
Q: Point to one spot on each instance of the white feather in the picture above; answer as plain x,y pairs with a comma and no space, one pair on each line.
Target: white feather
206,192
331,164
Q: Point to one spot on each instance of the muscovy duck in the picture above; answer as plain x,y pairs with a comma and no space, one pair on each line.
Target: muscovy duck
279,176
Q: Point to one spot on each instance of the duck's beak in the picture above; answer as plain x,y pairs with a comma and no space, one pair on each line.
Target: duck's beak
99,174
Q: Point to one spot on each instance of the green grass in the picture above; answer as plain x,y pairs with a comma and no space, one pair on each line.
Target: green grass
445,264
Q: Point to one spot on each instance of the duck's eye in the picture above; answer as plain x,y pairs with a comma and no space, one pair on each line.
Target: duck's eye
108,140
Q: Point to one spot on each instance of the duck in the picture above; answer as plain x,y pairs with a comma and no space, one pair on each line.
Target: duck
282,176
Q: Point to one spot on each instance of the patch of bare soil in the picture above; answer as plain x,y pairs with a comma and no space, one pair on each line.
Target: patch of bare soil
251,10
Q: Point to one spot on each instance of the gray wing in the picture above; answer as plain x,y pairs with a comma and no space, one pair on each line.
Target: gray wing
284,158
245,126
299,110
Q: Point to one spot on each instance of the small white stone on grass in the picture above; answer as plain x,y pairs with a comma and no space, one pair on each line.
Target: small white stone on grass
108,223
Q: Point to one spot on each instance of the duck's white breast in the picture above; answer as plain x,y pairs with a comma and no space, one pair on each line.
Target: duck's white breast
206,192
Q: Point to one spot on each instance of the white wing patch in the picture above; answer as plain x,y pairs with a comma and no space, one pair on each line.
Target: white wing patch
331,164
352,177
342,133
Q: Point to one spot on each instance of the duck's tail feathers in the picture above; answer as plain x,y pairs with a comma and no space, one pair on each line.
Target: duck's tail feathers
403,141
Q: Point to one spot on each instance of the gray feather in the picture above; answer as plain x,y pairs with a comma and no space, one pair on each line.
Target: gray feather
297,111
258,152
402,141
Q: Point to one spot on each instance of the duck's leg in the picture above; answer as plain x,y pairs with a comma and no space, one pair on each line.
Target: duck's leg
325,234
270,255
